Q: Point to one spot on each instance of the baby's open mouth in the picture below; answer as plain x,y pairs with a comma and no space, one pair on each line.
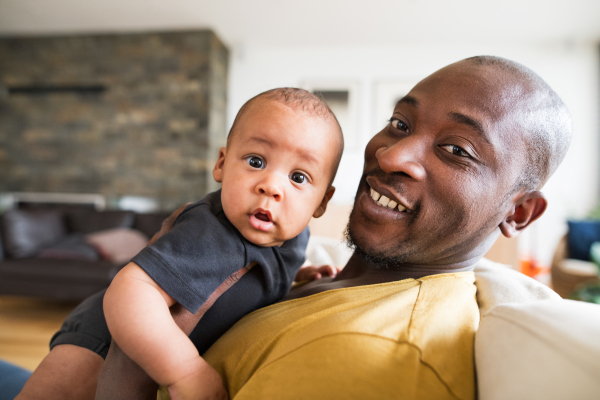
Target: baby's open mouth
262,220
262,216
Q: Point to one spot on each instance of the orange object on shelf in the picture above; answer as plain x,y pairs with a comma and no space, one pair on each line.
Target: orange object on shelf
532,267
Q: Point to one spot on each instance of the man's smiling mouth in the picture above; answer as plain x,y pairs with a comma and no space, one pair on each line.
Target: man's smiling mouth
385,201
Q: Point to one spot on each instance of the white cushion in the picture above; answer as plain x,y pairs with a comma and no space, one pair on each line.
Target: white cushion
499,284
547,349
324,250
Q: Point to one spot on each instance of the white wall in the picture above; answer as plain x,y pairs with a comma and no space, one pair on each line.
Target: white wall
571,69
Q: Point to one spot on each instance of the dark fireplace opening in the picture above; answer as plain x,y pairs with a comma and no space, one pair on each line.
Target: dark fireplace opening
54,89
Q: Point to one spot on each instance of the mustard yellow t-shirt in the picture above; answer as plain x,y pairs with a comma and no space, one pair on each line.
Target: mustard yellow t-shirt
410,339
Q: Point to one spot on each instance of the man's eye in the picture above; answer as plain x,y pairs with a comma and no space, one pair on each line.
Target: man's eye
297,177
398,124
456,150
255,162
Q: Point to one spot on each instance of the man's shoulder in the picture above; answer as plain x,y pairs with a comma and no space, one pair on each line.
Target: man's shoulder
447,299
443,326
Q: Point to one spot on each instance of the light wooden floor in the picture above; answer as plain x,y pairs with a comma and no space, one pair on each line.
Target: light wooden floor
26,326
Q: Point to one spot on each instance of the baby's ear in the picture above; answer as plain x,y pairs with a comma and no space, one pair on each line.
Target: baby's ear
323,206
526,210
218,169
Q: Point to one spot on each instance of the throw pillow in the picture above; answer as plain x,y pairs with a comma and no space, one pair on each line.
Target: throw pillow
117,245
580,238
72,247
26,232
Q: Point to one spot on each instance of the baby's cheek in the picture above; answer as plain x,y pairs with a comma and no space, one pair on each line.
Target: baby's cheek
231,208
298,218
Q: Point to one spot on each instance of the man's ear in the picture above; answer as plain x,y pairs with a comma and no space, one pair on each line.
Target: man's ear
529,207
323,206
218,169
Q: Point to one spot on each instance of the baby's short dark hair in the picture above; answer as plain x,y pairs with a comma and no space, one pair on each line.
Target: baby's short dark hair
301,100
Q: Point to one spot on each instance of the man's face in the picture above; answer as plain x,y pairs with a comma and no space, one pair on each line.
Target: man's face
450,155
276,171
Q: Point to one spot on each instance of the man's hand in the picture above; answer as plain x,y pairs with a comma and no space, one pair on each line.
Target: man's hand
202,382
311,272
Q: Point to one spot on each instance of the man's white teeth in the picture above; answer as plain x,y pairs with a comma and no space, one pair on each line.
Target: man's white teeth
384,201
374,195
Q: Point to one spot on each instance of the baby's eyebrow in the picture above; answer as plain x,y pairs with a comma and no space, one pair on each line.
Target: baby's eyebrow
261,141
308,156
303,153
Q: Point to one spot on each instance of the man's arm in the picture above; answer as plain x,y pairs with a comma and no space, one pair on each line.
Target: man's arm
67,372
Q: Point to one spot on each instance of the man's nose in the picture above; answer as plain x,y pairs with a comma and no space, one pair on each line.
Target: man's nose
405,156
271,185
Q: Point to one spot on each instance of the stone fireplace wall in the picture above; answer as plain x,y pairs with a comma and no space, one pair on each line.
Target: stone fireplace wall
126,114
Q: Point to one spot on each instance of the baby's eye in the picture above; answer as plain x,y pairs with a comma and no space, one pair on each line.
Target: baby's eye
255,162
456,150
298,177
398,124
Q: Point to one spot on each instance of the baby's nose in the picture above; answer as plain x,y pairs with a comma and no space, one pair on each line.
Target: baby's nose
270,186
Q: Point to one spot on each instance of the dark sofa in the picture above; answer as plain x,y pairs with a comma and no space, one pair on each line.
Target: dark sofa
45,252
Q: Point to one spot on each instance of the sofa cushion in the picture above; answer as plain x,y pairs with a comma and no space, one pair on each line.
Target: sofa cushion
87,221
72,247
546,349
499,284
580,238
65,272
25,232
117,245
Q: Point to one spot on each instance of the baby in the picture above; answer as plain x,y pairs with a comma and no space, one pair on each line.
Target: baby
276,172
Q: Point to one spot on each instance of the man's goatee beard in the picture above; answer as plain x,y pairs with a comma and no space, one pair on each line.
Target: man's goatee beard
378,260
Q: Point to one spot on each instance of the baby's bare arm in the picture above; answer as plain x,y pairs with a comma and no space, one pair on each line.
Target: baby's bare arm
138,317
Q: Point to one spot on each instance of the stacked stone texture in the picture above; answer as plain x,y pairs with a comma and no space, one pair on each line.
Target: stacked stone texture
154,131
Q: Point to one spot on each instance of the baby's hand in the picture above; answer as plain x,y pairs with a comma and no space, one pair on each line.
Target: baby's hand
201,383
311,273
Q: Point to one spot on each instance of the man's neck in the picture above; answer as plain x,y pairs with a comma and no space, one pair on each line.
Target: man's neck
359,271
360,268
363,269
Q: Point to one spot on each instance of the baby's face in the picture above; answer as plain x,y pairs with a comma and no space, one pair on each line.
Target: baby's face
275,171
